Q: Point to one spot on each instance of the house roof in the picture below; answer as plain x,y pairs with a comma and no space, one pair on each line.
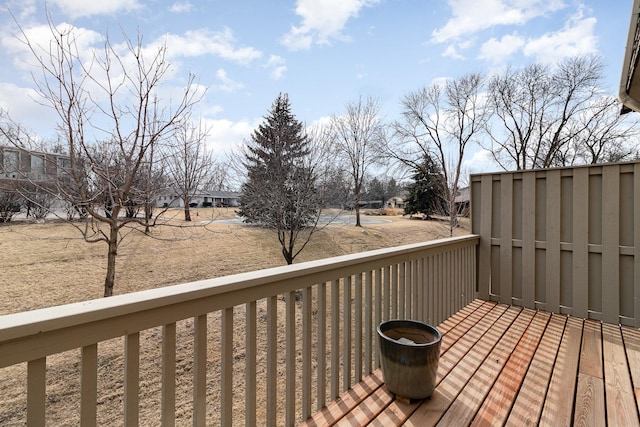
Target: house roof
629,92
463,195
222,194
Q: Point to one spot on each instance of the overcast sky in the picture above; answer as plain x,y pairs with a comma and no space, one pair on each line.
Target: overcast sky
323,53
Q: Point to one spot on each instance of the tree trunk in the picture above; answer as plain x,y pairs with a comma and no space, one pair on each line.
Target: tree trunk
187,209
357,207
148,214
110,279
287,256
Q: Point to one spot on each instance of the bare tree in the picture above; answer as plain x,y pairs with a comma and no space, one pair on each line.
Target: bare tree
10,202
548,117
440,122
110,117
189,163
602,134
356,134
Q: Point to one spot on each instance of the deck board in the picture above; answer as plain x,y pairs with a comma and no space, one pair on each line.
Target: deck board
589,404
528,404
621,406
558,406
464,408
505,365
495,408
632,346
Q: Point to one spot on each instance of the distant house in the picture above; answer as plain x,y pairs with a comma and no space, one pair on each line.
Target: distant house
397,202
463,201
201,199
18,164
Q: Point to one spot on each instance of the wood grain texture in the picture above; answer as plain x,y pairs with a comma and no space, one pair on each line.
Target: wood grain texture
621,405
497,405
505,365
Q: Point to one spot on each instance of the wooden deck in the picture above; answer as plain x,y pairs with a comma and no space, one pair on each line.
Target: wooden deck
502,365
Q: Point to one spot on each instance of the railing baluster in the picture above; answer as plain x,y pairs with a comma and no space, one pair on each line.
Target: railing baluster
322,346
437,289
226,356
394,291
408,292
89,385
368,321
131,378
200,370
387,292
272,359
447,286
402,289
36,391
335,339
290,358
250,405
417,288
346,334
169,374
378,311
357,351
306,353
430,295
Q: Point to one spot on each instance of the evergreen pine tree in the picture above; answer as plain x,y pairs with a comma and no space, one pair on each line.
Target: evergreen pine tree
280,191
425,193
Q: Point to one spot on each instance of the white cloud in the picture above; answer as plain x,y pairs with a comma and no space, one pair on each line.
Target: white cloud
472,16
181,7
277,65
496,51
227,136
41,37
206,42
24,106
452,52
78,8
322,21
224,83
22,9
577,37
481,161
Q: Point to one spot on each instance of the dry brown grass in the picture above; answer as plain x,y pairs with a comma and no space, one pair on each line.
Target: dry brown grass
49,264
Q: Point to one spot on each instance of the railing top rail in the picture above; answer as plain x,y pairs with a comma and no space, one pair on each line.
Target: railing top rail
140,310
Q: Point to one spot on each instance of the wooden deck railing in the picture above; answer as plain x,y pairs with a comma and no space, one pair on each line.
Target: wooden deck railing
257,348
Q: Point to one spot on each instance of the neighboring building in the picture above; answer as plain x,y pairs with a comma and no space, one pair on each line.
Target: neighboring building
20,165
396,202
629,92
201,199
463,201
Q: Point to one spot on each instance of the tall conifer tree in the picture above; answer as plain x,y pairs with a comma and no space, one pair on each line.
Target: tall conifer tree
280,192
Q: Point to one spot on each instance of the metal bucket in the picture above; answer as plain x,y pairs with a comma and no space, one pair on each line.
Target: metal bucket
409,354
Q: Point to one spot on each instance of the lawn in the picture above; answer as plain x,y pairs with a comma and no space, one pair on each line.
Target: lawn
49,264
